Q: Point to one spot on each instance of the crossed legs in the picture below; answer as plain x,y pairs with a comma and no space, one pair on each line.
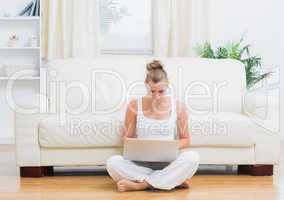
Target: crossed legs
130,176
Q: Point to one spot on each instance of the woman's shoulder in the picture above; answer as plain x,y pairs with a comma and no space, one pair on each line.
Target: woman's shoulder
135,101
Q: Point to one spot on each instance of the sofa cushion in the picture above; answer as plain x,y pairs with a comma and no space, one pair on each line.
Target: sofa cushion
86,131
222,129
80,131
107,83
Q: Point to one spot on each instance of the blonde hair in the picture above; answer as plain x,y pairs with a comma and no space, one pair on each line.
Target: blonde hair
156,72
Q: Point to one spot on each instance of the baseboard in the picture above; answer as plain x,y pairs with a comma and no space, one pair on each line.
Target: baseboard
7,140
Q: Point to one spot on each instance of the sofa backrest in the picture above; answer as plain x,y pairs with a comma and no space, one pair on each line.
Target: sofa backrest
105,85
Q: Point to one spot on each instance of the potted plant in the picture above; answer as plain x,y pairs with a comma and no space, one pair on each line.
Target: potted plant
235,50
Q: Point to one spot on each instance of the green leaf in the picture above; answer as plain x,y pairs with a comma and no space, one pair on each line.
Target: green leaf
237,51
205,50
222,52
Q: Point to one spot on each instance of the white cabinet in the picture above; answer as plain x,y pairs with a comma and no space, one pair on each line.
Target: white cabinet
25,51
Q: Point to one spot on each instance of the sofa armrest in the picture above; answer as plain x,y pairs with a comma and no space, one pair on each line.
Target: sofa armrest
26,139
263,109
27,117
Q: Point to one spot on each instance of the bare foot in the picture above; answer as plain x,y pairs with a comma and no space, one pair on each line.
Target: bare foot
126,185
185,184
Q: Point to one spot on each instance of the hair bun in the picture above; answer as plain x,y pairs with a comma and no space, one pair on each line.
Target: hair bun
155,64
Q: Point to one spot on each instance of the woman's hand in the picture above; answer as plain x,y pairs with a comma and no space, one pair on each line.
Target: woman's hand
183,143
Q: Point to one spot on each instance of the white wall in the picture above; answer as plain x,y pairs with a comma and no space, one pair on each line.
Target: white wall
261,22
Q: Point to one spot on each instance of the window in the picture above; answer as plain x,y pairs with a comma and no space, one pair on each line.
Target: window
126,26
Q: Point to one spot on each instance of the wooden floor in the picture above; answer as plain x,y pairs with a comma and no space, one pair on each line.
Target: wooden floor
93,185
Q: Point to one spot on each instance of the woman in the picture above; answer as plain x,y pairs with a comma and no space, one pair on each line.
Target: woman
155,115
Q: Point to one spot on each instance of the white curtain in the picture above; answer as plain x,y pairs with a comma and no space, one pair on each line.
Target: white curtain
71,29
179,25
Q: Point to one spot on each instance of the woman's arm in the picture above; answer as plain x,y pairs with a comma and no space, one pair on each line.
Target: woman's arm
130,120
182,126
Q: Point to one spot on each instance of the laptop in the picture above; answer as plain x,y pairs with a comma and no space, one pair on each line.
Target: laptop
150,150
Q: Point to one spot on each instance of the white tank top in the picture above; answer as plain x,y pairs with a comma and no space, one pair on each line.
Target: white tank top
148,128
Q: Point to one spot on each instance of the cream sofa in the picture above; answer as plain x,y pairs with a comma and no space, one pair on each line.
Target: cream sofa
78,121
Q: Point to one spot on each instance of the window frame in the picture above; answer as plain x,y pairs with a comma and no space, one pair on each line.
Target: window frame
138,51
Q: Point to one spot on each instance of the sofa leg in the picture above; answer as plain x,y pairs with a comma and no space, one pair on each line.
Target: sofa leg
31,172
256,170
48,171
